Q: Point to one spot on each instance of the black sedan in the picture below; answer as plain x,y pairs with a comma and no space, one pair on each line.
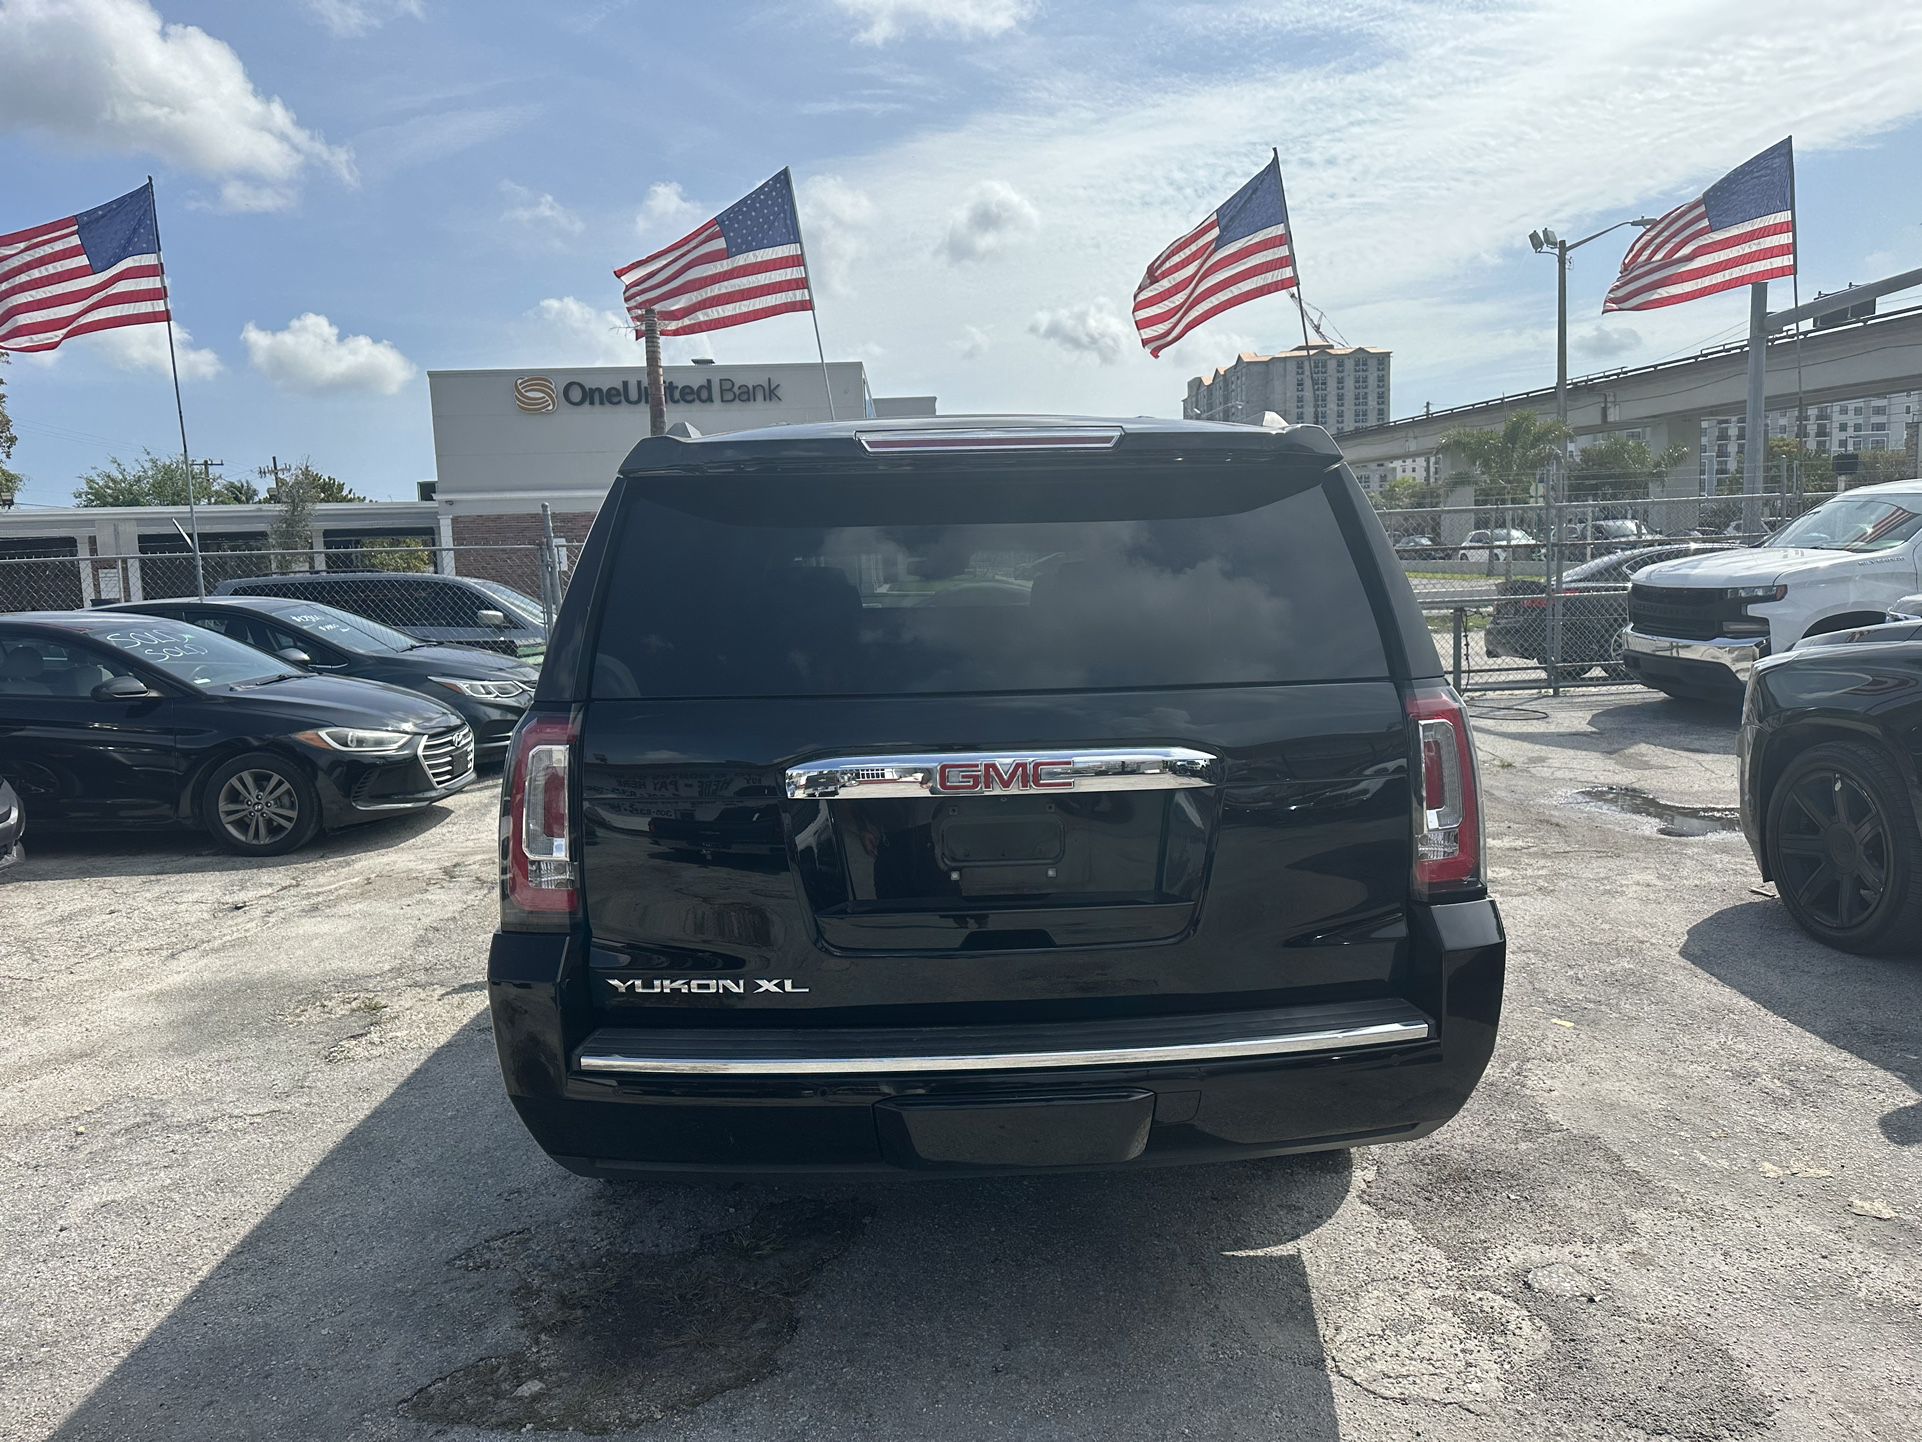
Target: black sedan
115,720
1829,758
1594,598
489,690
13,825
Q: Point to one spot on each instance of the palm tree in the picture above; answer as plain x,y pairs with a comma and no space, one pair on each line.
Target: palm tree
1506,462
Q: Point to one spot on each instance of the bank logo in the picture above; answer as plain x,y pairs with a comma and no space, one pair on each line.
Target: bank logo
536,395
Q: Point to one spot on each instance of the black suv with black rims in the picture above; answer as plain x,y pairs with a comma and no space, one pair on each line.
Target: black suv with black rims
1831,757
989,794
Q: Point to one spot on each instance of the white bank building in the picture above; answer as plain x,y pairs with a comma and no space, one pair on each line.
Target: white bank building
507,440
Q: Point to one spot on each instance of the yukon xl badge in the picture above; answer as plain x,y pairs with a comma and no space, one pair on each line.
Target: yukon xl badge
702,986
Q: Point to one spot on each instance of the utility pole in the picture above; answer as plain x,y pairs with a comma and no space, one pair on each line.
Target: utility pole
656,379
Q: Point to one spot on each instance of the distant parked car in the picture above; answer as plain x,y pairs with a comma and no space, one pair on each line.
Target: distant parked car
1417,548
450,610
1590,539
1492,545
114,720
1594,598
1906,608
13,826
490,691
1829,785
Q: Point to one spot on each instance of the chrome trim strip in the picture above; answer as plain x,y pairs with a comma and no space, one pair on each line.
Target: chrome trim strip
991,438
1286,1044
1738,654
997,773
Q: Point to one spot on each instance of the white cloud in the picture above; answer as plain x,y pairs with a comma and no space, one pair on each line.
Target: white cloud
251,197
881,21
666,207
349,18
835,217
538,211
974,342
995,213
109,75
1095,329
311,355
566,331
144,348
1606,342
430,138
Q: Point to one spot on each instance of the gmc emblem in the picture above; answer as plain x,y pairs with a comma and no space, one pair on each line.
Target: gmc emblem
954,777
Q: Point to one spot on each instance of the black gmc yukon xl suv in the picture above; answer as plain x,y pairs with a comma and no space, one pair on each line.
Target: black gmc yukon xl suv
974,795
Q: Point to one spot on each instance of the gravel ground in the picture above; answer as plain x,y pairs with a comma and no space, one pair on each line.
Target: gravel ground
258,1180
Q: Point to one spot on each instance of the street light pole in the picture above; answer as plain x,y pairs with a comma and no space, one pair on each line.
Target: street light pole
1557,491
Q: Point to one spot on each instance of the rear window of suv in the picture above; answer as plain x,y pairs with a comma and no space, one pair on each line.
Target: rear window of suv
951,582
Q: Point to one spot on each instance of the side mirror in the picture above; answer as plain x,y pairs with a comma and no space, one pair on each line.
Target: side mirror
124,688
294,656
491,617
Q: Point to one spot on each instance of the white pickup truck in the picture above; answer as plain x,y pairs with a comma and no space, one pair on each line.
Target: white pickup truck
1696,625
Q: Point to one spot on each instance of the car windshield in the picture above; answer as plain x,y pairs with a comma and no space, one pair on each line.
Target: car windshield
1860,524
193,653
346,630
521,608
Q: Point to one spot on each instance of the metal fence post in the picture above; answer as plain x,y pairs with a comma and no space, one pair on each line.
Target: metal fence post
1461,625
550,567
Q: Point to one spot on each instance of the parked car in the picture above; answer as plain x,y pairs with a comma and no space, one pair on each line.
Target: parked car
13,826
1417,548
1594,598
1905,608
448,610
114,720
1698,625
1829,785
1493,545
1092,792
487,689
1590,539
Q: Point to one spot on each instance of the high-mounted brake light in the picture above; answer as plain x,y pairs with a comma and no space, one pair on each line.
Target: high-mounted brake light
1448,810
542,874
1079,438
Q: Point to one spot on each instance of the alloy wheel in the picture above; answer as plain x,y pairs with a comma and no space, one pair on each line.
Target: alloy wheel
1835,848
257,808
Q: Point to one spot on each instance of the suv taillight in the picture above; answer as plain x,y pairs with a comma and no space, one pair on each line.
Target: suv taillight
1448,800
542,881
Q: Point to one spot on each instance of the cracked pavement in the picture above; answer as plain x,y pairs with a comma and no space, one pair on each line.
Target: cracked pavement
257,1179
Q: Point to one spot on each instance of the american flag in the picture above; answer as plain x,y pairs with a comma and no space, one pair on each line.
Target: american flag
1741,230
1241,251
92,271
745,264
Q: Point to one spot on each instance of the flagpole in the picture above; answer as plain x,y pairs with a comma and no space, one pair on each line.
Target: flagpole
1301,306
173,364
814,313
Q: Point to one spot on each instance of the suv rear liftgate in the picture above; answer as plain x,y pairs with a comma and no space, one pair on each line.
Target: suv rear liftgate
989,795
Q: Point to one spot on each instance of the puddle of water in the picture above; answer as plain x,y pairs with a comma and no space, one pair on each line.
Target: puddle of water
1670,818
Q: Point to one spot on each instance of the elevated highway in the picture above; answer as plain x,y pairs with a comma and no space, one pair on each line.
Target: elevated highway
1670,399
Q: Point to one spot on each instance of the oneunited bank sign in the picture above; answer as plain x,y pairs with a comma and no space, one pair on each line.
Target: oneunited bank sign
538,395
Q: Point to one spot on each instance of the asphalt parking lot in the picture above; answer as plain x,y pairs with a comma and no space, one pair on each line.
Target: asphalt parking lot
258,1179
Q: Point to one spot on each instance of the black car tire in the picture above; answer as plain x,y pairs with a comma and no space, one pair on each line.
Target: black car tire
260,804
1844,849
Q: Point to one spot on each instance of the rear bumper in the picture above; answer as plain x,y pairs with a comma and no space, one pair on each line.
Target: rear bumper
1153,1092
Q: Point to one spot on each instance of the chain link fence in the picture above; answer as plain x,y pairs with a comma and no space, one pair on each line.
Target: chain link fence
1521,596
1529,596
403,585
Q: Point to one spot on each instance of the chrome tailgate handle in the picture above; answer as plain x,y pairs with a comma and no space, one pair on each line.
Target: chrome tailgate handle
985,773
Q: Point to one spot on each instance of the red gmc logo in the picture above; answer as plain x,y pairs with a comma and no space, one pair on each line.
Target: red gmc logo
983,776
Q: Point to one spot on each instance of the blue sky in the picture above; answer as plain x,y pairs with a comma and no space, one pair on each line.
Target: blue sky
354,192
